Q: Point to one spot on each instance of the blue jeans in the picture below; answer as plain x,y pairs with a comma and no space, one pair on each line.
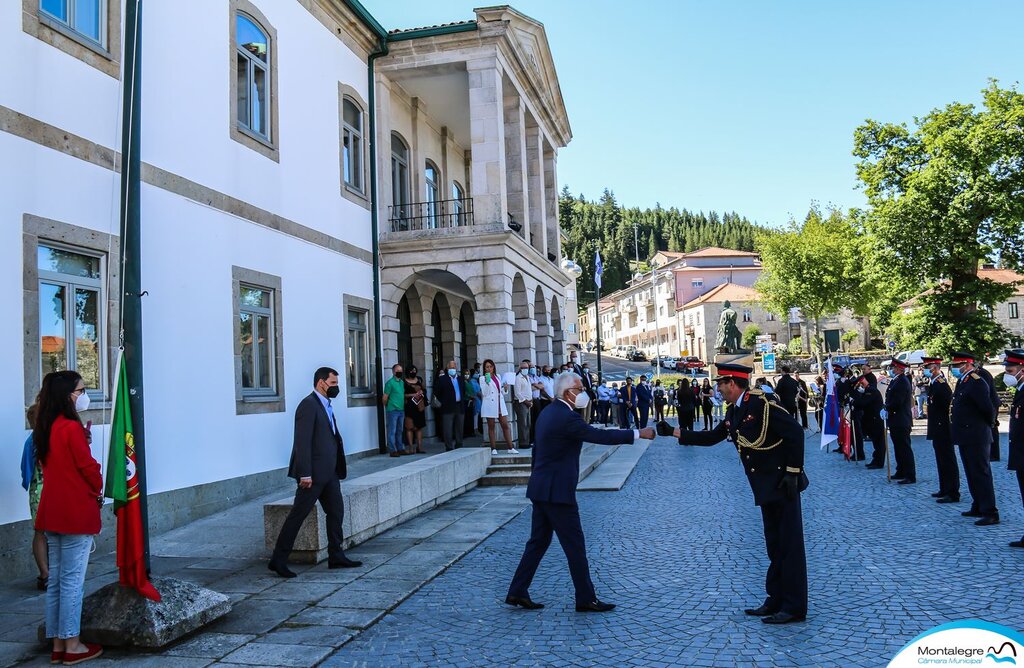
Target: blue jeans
395,421
69,557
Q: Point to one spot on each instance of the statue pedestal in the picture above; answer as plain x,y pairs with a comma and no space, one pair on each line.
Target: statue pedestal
744,358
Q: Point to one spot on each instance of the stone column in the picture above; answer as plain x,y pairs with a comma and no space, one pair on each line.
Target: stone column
383,149
515,159
416,162
535,187
487,133
551,201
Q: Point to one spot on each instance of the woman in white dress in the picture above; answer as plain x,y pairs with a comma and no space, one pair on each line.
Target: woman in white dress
492,405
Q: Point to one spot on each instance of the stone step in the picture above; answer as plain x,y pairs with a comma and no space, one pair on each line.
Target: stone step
508,468
511,459
509,479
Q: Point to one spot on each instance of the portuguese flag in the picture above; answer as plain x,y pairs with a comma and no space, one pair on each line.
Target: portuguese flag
123,487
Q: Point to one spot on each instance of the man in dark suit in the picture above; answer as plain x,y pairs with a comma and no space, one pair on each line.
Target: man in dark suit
899,402
644,397
939,398
1014,378
803,394
561,432
869,400
629,406
787,388
771,448
449,390
318,465
993,455
971,427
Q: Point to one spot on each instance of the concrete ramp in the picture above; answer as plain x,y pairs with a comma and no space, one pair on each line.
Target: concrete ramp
612,474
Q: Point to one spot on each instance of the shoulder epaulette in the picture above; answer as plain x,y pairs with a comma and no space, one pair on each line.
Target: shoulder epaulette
755,393
974,375
939,379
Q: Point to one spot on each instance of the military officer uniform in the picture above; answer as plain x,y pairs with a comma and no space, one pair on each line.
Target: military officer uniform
994,396
869,403
939,397
971,428
842,389
899,399
770,443
1015,460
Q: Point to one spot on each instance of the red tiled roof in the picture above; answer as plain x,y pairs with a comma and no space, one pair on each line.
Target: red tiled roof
997,275
715,251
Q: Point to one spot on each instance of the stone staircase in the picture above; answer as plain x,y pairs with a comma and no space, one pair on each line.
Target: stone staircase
511,470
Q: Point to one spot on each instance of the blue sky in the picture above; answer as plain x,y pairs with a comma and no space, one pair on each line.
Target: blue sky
747,106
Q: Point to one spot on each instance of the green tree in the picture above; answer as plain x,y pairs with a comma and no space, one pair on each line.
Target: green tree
815,266
946,195
848,338
750,335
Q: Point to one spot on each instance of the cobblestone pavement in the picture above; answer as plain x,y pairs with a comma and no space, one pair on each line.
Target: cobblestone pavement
680,550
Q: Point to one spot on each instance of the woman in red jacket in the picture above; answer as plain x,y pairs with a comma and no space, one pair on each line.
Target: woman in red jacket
69,509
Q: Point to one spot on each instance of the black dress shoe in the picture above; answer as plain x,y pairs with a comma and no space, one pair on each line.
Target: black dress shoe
908,481
971,513
873,466
987,521
595,606
762,611
938,495
523,602
344,562
948,499
1017,543
783,618
280,569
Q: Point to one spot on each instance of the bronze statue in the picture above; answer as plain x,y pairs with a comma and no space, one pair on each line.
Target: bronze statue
728,339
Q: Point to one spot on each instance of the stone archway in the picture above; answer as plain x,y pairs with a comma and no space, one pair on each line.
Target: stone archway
543,336
468,351
557,337
523,330
442,341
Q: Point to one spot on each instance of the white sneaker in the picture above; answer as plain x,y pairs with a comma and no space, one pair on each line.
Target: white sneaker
494,452
513,451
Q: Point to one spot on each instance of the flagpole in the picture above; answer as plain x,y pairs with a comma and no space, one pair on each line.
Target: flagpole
599,268
131,271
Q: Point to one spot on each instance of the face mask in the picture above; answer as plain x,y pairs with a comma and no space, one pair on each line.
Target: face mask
333,391
582,400
957,373
398,374
533,372
927,373
1009,379
82,402
860,389
586,369
452,372
766,389
525,372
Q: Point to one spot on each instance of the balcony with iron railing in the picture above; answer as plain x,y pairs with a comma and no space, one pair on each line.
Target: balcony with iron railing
438,214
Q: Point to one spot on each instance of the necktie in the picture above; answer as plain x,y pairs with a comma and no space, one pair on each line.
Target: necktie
330,414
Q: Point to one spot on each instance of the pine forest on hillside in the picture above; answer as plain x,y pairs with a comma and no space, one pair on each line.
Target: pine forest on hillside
606,226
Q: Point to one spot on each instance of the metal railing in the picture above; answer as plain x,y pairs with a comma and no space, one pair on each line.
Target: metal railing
431,215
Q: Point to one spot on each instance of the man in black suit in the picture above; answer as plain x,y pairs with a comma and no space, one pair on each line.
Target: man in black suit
449,390
771,448
561,432
801,399
940,396
993,395
318,465
869,401
971,417
898,413
787,389
1014,363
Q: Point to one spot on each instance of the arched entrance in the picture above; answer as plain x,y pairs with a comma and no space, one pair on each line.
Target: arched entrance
522,331
557,337
543,337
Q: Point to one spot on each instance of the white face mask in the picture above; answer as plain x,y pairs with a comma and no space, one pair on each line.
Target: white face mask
1010,380
582,400
82,402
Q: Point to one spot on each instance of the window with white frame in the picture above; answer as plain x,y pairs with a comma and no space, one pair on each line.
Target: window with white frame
252,86
747,316
697,283
70,304
352,144
399,177
432,177
1014,313
458,205
256,339
357,351
770,316
85,18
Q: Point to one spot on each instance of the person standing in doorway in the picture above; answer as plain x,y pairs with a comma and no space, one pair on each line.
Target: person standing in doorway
318,466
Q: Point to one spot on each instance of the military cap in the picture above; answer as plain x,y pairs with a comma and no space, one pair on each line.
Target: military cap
962,358
899,363
1015,356
727,371
931,360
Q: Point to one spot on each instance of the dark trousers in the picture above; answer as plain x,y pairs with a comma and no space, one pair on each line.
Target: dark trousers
659,410
876,432
786,582
686,418
468,421
905,467
645,413
562,520
1020,483
857,425
603,411
628,413
802,406
451,429
993,455
978,471
523,423
949,471
328,493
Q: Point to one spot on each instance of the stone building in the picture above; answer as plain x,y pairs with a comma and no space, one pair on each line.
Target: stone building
470,245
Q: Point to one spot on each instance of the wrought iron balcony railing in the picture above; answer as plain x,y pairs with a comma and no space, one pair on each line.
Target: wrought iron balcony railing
431,215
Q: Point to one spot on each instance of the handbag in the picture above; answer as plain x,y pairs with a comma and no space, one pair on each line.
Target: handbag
435,402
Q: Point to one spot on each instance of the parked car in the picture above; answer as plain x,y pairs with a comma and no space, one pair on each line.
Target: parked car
668,362
637,356
911,356
689,364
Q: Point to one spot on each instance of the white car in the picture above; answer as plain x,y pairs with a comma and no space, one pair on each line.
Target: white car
911,356
668,363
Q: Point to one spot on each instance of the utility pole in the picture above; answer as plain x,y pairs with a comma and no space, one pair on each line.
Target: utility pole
657,325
